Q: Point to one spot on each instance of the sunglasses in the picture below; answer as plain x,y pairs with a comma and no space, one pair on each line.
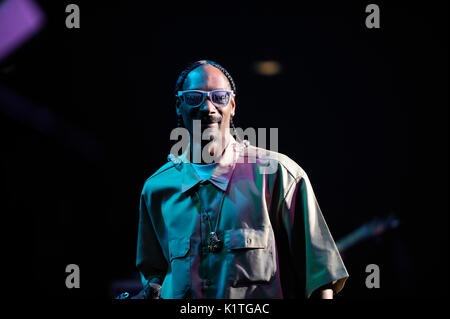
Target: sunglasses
194,98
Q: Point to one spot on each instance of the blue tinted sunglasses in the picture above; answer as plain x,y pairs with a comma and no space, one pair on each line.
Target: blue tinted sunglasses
194,98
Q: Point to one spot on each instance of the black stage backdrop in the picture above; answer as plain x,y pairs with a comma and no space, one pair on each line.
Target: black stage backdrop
87,113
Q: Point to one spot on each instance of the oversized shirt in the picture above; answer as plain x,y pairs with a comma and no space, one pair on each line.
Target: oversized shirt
276,243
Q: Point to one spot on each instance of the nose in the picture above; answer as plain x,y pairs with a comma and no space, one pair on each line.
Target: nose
207,107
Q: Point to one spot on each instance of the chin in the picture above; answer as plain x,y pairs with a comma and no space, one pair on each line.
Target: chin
212,132
212,136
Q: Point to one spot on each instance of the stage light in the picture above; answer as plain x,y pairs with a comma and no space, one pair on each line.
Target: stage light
267,68
19,21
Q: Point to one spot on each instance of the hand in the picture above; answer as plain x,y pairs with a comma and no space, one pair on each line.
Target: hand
152,291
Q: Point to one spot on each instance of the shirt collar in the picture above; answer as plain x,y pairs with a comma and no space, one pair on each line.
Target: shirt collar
222,173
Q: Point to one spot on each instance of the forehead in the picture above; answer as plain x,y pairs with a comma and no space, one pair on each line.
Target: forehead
206,77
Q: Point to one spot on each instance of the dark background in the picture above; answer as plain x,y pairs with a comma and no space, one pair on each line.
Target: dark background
363,111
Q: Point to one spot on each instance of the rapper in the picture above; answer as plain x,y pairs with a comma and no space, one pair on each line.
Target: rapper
245,224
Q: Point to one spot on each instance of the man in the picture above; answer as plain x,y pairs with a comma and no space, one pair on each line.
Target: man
235,227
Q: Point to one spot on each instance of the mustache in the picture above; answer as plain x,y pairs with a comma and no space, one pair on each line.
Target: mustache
211,119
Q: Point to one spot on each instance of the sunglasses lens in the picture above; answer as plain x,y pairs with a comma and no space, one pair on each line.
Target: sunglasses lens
221,98
193,98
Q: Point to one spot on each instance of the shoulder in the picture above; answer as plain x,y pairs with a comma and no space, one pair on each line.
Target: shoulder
284,164
162,173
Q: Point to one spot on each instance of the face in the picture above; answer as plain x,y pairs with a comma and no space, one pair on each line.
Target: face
217,119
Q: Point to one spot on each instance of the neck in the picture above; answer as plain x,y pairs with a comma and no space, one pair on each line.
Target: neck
207,152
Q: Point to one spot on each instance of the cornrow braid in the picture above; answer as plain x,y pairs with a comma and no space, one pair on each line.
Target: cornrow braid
194,65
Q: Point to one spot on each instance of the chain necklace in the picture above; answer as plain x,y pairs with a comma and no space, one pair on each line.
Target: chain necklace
214,243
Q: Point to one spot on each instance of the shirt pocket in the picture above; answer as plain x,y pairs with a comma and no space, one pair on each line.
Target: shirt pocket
250,256
179,248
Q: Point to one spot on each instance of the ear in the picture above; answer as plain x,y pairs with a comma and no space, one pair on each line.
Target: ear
233,106
178,106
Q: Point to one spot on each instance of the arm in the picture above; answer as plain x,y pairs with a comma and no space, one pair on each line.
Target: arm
150,259
326,294
322,266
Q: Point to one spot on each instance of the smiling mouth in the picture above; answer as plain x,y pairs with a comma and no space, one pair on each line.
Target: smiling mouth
210,124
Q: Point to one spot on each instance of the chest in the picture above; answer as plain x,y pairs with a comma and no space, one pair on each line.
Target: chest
244,206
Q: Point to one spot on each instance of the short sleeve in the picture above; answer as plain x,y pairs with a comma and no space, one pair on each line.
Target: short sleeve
150,260
322,264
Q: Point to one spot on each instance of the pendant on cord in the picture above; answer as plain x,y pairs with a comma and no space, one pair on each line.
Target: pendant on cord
214,243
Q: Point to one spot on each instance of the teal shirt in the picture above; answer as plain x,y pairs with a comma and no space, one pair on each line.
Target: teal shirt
276,241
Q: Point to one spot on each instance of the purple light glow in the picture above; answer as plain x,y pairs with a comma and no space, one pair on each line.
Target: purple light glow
19,20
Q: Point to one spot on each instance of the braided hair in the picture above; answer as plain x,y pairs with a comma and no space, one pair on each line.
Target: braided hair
183,75
194,65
